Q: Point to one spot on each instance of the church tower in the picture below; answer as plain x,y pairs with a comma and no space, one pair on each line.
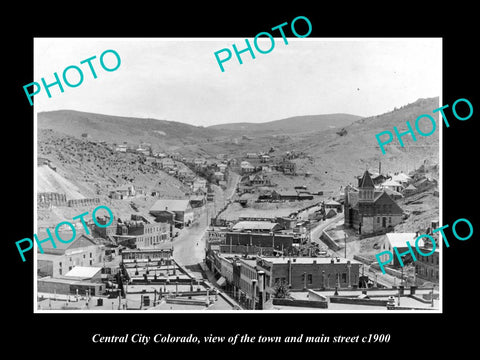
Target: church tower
366,188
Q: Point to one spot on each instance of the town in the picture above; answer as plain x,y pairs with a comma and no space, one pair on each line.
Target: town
247,230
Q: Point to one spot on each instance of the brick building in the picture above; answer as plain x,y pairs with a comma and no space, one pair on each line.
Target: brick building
309,273
369,210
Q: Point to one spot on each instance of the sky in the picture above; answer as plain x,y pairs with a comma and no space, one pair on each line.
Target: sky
179,79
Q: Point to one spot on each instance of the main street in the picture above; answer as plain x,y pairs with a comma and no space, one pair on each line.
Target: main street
189,246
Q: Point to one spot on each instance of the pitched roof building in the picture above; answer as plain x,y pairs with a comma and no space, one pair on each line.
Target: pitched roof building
370,210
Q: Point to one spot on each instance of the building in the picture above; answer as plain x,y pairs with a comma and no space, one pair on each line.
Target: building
198,161
70,286
246,167
165,252
288,167
167,163
218,175
181,210
285,195
254,278
199,183
332,204
198,201
57,261
121,148
222,167
399,241
402,178
392,185
309,272
125,190
369,210
147,235
257,180
409,190
427,267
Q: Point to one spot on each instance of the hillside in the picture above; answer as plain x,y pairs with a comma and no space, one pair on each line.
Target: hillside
86,169
116,129
49,180
291,125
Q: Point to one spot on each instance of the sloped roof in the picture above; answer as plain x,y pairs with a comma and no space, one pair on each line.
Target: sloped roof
392,192
82,240
332,202
399,240
287,193
254,225
401,177
391,183
84,272
170,205
366,181
410,187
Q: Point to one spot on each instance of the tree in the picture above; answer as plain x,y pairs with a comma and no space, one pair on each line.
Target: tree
281,290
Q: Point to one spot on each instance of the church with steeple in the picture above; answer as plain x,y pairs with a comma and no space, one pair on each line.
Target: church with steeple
370,210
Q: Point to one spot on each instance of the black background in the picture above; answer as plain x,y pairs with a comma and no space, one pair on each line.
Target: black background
47,333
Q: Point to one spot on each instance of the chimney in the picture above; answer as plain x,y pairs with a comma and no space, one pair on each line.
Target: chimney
338,259
332,261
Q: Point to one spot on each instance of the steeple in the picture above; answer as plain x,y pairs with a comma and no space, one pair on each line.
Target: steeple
366,181
366,188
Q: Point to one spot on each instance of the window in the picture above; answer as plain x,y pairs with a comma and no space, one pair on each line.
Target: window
390,219
60,264
60,271
378,220
69,268
84,256
90,262
344,277
310,279
90,255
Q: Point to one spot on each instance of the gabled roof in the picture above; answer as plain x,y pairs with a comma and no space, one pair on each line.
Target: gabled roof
80,241
410,187
391,183
366,181
170,205
392,192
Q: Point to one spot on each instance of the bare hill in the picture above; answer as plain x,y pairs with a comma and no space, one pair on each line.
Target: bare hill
291,125
118,129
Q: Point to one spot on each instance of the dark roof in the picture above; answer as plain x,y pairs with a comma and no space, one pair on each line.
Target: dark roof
366,181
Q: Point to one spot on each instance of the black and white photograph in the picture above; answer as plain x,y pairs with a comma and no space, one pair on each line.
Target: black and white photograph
240,180
258,186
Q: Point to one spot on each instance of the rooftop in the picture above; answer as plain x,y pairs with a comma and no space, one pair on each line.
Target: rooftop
254,225
84,272
308,260
170,204
399,240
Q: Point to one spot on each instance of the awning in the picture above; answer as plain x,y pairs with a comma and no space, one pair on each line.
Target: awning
222,281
